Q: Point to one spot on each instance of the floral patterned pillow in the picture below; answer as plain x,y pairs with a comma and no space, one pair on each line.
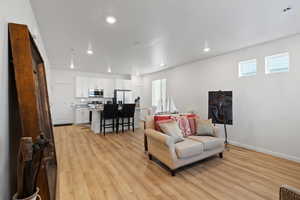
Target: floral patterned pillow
184,125
192,118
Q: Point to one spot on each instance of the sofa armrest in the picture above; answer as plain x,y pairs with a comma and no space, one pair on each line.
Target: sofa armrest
160,137
288,192
162,147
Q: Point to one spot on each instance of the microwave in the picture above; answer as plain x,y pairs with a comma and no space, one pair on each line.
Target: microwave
96,93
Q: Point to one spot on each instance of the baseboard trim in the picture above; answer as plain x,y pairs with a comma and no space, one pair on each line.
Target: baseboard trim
266,151
69,124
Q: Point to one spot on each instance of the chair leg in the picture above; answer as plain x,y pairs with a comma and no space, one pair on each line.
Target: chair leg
113,125
100,124
133,124
128,127
150,156
122,125
104,127
117,125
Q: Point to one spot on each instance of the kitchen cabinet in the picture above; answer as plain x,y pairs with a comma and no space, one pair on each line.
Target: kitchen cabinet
85,84
127,84
119,84
82,85
108,87
123,84
82,116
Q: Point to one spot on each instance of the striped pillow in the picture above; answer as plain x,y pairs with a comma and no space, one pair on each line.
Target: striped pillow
184,125
192,118
193,125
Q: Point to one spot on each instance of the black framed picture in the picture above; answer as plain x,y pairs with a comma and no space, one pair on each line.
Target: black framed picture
220,107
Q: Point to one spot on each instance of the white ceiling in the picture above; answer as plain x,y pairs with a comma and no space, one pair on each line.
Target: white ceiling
149,32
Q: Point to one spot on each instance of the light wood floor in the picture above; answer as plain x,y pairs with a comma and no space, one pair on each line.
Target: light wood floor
116,167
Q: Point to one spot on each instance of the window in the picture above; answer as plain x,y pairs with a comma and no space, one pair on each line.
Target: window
277,63
159,94
247,68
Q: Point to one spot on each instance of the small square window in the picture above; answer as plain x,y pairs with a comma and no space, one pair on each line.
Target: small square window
277,63
247,68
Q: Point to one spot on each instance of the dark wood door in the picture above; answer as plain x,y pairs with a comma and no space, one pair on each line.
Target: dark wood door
32,101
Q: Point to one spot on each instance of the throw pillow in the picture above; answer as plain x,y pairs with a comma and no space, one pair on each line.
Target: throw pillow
172,129
193,126
158,118
205,128
161,122
183,124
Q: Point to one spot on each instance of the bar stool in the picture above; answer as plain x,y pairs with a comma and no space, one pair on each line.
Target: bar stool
109,113
127,112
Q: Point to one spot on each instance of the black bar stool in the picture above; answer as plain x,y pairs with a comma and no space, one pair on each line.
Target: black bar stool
109,112
127,112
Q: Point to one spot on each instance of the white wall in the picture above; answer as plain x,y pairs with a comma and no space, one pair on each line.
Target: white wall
17,11
265,107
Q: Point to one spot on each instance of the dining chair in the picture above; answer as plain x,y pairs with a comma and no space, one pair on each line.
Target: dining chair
109,112
126,115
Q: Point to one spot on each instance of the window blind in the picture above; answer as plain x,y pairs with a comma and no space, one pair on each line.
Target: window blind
277,63
247,68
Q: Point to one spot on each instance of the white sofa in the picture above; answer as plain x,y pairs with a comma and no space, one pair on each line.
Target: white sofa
175,156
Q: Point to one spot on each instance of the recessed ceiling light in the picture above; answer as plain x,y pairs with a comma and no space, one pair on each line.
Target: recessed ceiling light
111,19
162,64
90,52
72,66
207,49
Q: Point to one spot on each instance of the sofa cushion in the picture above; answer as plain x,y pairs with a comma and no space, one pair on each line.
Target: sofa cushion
208,142
188,148
172,129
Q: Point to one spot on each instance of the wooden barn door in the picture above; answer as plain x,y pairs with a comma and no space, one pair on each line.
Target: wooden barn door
32,101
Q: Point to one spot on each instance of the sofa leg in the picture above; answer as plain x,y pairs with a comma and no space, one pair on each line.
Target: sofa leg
221,155
150,156
173,172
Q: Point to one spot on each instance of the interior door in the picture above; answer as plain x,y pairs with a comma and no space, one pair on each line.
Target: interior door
63,112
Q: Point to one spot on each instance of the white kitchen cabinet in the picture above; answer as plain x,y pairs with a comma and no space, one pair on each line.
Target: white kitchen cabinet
94,83
91,83
119,84
123,84
99,83
82,116
81,87
85,84
108,87
127,85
